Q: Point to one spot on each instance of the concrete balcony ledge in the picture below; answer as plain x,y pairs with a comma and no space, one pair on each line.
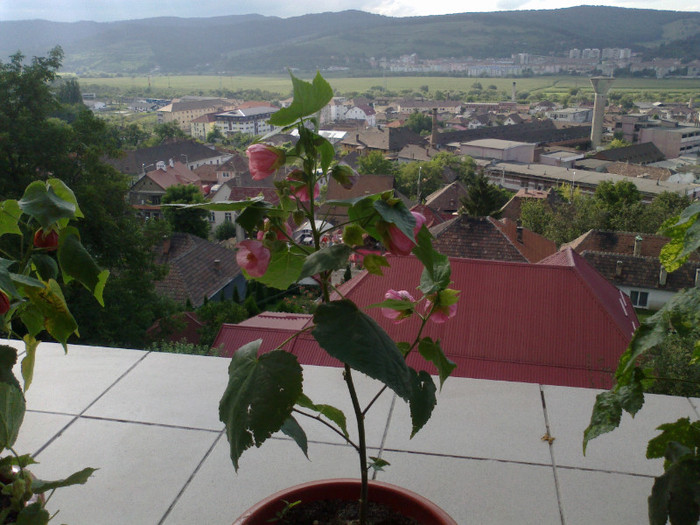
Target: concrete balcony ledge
149,422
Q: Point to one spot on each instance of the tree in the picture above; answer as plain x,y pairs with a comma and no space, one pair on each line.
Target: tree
192,221
168,131
215,135
418,122
374,163
224,231
69,92
464,167
617,143
213,314
483,198
415,177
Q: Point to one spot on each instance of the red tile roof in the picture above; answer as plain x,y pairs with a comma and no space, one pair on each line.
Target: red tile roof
557,322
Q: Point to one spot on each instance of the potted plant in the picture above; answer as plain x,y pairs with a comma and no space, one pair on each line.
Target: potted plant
37,247
265,392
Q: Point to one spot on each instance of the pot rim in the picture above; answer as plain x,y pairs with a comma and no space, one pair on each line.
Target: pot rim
400,499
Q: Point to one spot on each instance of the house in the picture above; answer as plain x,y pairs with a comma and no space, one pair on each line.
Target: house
192,153
499,149
238,189
554,323
146,194
630,261
446,200
365,185
643,153
490,239
387,140
673,142
198,270
513,119
453,107
511,209
253,120
184,111
363,113
416,153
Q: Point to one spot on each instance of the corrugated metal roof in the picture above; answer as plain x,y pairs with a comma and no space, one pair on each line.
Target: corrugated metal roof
557,323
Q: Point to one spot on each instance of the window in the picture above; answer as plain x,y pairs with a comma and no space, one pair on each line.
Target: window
155,199
639,299
212,217
227,216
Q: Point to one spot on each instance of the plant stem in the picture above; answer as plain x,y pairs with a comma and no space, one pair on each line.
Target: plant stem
318,418
362,440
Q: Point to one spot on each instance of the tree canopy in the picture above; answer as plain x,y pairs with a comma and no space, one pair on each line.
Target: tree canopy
192,221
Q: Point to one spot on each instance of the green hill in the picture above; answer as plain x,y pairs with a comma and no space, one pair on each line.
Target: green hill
257,44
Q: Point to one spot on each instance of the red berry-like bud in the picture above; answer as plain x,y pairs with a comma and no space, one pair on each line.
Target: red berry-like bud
46,240
4,303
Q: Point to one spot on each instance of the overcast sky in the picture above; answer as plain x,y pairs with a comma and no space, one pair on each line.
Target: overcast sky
109,10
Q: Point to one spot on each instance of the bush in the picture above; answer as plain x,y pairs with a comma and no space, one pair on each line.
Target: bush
224,231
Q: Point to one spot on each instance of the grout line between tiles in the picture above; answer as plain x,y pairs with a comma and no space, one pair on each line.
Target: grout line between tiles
548,437
79,415
189,480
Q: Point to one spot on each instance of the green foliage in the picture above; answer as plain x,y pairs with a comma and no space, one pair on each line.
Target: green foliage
419,122
69,92
374,163
617,143
663,340
213,314
483,198
168,131
429,174
187,220
182,347
225,230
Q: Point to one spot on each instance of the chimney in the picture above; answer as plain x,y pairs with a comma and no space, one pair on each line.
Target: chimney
638,245
172,164
519,233
662,276
433,132
618,269
217,264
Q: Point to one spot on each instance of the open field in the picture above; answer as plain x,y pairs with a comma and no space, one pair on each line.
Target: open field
172,86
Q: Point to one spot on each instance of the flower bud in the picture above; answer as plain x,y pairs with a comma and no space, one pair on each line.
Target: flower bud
396,241
264,160
300,188
4,303
445,302
398,314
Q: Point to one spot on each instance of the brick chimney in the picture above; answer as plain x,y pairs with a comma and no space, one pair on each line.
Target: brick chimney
638,245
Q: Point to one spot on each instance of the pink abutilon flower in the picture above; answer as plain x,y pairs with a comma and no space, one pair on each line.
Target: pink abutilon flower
253,257
264,160
300,189
398,315
396,240
445,308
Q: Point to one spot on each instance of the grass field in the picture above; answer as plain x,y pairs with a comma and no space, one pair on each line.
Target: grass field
172,86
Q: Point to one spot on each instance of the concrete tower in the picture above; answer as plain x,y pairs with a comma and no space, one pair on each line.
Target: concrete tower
601,86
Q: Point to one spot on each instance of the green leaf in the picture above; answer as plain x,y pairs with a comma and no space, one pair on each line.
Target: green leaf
45,266
356,339
50,302
327,259
422,400
10,213
286,262
374,263
32,319
675,495
607,412
76,263
377,464
64,192
309,98
397,214
432,351
436,267
259,397
25,280
682,431
292,429
330,412
327,153
40,486
30,346
33,514
6,283
253,215
8,358
681,313
684,238
41,202
12,408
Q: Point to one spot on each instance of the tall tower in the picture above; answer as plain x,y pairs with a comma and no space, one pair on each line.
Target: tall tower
601,86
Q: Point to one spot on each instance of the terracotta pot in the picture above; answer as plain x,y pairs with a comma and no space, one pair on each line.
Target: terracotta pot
404,501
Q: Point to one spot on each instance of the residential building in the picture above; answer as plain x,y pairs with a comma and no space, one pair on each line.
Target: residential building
198,270
183,112
673,142
363,113
387,140
202,126
630,261
253,121
556,323
446,200
491,239
146,194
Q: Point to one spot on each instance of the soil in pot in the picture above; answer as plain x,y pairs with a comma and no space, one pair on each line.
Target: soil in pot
342,512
